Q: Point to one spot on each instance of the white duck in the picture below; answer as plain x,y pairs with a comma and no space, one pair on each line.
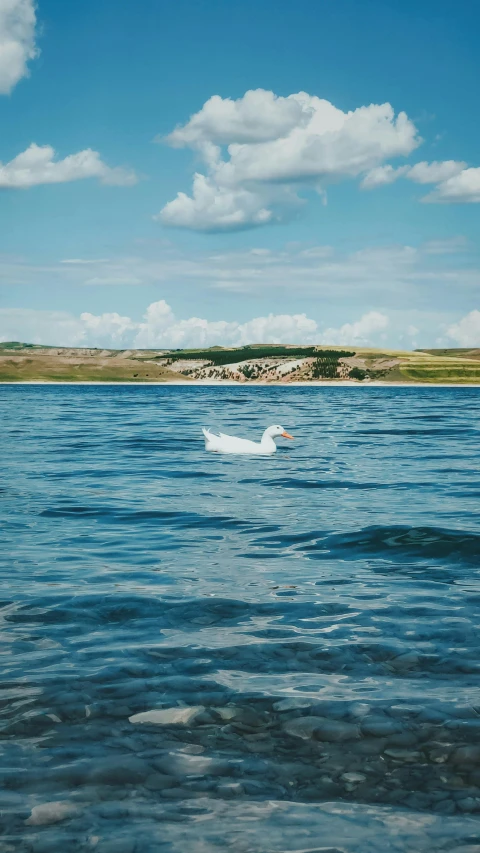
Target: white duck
222,443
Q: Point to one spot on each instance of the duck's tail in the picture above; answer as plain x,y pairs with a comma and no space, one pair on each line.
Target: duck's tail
210,439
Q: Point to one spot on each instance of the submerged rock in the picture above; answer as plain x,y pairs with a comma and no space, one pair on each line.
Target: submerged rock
53,812
407,755
121,770
380,727
469,804
354,778
182,764
159,782
167,716
321,728
230,789
303,727
467,755
292,704
334,731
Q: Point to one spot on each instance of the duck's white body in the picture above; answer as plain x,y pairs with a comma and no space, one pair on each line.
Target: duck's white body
222,443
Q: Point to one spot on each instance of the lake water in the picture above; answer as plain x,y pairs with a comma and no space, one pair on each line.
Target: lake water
305,626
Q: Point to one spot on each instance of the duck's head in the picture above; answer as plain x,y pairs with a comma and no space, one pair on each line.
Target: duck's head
277,432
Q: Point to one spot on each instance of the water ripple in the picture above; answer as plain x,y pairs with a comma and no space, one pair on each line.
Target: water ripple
202,652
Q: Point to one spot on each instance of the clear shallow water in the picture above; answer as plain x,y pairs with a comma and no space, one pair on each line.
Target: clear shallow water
311,619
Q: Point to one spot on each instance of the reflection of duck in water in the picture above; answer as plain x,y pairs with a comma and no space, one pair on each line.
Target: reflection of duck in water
222,443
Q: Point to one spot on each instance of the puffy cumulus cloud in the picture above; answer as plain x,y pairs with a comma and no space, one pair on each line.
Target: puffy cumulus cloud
17,41
37,165
360,333
333,144
257,117
260,150
279,328
433,173
110,327
461,188
455,182
466,332
215,208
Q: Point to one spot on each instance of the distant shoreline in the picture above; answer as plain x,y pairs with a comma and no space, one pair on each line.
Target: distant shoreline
265,364
315,383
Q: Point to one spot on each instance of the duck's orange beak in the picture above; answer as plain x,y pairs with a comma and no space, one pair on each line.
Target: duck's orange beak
287,435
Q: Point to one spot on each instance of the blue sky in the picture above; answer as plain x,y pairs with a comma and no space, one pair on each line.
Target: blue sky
307,222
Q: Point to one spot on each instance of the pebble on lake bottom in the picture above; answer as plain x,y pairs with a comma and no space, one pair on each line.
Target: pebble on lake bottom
166,716
53,812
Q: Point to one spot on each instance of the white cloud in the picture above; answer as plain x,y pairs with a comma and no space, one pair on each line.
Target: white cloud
261,150
257,117
331,144
17,41
461,188
37,165
276,146
466,332
455,182
433,173
279,328
382,175
420,173
360,333
158,328
214,208
111,327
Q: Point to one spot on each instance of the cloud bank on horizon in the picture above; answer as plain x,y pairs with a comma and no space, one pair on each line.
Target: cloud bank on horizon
262,150
386,276
159,327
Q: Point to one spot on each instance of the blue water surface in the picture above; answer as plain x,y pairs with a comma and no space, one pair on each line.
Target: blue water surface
306,624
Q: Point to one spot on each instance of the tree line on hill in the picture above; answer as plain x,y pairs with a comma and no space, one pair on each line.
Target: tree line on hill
217,358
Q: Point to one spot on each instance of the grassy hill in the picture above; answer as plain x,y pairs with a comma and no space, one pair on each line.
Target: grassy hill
24,362
463,352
